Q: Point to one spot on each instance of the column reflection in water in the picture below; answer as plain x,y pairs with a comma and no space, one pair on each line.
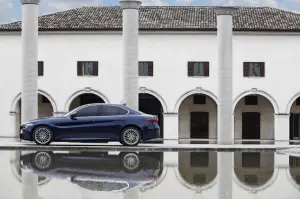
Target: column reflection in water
225,173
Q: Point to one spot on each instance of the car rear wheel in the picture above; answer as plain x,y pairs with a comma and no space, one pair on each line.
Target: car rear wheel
130,136
42,135
131,162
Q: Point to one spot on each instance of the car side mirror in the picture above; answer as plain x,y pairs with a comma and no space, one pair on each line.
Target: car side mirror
74,115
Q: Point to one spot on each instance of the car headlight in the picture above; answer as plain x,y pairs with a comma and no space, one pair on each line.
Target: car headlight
25,125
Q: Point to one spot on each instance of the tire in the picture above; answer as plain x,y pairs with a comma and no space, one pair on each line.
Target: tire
42,135
131,162
130,136
42,160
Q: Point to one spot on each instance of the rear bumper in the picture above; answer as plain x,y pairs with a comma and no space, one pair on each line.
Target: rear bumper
151,134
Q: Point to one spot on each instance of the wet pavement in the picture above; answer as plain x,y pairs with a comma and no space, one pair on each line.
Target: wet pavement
142,175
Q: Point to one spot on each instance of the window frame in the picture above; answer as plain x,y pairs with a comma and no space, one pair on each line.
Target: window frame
81,68
150,68
249,74
40,68
191,68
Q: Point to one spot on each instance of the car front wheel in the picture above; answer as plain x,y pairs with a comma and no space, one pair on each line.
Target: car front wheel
130,136
42,135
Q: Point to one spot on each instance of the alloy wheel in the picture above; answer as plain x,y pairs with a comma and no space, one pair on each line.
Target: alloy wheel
42,135
131,136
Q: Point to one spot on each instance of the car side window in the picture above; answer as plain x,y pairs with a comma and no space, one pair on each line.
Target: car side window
87,111
112,110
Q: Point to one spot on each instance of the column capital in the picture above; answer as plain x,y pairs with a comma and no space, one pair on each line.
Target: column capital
282,114
130,4
30,2
13,113
171,114
224,10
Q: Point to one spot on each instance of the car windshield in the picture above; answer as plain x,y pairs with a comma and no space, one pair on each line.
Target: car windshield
72,111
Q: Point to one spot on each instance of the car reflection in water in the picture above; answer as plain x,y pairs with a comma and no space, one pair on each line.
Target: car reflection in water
97,171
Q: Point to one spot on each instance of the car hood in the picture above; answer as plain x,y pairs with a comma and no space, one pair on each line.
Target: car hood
44,118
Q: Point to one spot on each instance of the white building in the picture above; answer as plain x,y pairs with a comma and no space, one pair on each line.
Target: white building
80,61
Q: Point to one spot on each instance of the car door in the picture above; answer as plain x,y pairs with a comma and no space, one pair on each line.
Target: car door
81,127
109,122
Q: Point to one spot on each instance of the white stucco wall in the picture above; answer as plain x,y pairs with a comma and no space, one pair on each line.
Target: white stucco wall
170,53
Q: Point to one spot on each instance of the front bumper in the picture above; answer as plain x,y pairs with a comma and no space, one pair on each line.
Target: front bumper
25,134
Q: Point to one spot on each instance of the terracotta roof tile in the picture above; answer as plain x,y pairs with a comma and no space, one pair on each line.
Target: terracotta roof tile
202,18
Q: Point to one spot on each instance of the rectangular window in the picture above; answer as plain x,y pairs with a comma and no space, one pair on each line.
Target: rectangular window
145,68
251,100
198,69
40,68
199,99
199,159
298,101
254,69
251,160
87,68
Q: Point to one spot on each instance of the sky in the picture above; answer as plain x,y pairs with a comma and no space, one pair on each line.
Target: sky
10,10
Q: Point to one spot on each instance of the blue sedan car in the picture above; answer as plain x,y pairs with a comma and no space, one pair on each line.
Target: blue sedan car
93,123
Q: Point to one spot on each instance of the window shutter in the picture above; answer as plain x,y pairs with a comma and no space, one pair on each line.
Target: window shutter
190,68
206,69
40,68
150,68
262,69
246,69
95,68
79,68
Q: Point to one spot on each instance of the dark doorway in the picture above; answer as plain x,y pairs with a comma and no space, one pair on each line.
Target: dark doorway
199,126
251,125
151,105
294,126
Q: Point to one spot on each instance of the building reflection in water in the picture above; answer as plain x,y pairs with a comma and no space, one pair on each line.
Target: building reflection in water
198,168
215,172
294,164
254,169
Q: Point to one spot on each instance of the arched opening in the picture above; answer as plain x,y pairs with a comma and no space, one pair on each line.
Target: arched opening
294,163
151,105
83,99
198,169
254,119
295,121
45,109
254,169
198,119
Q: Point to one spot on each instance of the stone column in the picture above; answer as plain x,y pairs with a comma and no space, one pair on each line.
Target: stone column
29,81
130,52
13,124
282,129
225,174
224,35
134,193
29,59
171,128
29,185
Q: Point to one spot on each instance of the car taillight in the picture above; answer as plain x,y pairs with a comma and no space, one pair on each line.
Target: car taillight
154,120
